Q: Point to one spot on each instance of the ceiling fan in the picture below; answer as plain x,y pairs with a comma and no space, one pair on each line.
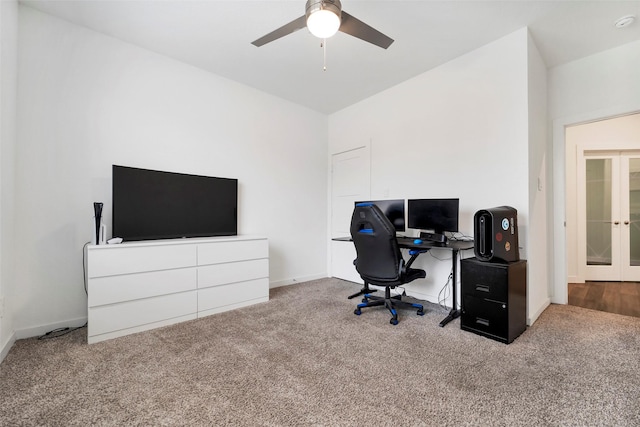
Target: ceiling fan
324,18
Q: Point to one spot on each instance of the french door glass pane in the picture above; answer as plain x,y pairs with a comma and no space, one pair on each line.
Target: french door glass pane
634,210
598,179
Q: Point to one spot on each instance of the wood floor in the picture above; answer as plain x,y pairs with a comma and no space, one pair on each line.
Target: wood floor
612,297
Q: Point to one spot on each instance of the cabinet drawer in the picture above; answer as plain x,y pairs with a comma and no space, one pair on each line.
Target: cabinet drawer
490,317
229,251
114,289
495,291
484,280
231,294
230,272
110,261
110,318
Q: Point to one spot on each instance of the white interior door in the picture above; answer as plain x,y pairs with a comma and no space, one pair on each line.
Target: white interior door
610,198
350,182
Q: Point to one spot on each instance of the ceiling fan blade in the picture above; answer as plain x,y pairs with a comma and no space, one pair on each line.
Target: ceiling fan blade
285,30
356,28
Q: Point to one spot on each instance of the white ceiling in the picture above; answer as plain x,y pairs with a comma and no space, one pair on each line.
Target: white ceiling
216,35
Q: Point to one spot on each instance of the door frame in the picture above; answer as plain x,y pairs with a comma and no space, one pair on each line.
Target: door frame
558,252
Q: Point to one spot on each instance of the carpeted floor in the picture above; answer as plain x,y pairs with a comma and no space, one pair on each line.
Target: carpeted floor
304,358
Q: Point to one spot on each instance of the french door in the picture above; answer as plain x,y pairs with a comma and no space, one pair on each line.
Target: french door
609,209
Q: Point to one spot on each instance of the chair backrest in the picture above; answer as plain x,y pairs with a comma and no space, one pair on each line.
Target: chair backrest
379,260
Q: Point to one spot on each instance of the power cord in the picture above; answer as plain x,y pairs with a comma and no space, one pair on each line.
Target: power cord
461,237
84,267
438,258
445,292
60,332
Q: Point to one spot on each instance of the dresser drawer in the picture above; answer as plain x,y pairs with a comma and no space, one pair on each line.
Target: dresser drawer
116,317
231,272
112,260
129,287
215,253
223,297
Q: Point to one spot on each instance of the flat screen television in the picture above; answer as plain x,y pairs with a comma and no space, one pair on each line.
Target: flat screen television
150,204
392,209
438,215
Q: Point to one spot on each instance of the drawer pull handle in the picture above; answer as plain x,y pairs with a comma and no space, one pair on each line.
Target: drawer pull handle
483,288
483,322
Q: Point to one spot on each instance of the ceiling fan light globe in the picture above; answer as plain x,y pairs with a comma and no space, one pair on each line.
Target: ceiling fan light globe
323,23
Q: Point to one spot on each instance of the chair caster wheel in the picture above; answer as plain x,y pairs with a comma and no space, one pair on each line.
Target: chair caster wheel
364,300
421,312
357,311
393,321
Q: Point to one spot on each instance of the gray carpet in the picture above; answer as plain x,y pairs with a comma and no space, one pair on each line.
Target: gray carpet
304,358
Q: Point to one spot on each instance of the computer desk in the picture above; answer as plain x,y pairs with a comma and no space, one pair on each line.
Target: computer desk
455,246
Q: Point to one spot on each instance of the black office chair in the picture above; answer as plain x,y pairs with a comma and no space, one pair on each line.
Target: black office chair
379,260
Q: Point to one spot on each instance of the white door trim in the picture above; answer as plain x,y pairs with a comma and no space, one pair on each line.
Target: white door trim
559,291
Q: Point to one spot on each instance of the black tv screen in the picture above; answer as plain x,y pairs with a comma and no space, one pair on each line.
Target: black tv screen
150,204
439,215
392,209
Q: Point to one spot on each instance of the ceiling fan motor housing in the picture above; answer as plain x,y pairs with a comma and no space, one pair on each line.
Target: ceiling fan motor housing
315,5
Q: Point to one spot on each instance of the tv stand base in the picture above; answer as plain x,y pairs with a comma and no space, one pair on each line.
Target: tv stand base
138,286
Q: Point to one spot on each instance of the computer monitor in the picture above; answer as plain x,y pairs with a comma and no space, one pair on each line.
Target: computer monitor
392,209
438,215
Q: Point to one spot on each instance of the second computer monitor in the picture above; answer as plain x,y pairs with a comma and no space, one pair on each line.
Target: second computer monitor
439,215
392,209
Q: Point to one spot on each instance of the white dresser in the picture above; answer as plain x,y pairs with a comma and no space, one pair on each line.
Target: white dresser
138,286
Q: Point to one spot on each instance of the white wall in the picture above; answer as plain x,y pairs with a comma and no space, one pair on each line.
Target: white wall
539,250
596,87
87,101
8,83
460,130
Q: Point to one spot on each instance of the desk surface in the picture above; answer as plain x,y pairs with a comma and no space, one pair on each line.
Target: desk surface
457,245
408,243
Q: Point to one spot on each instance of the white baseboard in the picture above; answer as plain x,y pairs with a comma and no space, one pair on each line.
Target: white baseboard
286,282
7,346
422,296
37,331
533,317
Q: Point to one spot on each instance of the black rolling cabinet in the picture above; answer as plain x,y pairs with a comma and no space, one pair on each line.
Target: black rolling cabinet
494,298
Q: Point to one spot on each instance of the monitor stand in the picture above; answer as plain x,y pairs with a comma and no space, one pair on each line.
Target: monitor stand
433,237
